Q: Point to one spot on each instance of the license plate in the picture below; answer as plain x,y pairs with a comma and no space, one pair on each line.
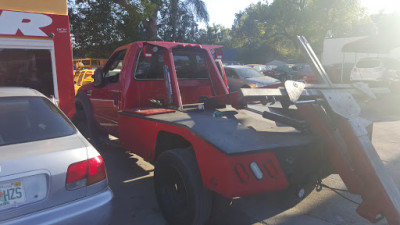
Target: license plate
12,194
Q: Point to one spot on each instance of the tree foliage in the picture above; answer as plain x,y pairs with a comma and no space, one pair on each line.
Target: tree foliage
388,24
215,34
177,23
262,31
98,27
277,24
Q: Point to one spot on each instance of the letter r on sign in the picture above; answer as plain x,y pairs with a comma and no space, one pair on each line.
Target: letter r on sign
28,23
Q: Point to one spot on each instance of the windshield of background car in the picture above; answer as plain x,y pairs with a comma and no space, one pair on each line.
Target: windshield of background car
248,72
190,64
27,119
261,68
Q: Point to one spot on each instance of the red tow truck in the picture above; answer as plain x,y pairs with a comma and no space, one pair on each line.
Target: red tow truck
168,103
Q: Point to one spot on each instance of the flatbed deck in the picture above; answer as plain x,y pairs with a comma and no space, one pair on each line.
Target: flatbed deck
237,131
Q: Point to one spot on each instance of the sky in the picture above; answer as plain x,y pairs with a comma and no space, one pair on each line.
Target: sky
376,6
223,11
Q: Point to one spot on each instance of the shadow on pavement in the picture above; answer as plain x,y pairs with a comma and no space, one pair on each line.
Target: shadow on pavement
384,108
131,180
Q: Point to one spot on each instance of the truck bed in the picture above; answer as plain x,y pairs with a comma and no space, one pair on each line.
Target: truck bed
237,131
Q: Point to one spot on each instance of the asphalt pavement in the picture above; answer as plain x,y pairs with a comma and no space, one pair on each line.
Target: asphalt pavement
131,179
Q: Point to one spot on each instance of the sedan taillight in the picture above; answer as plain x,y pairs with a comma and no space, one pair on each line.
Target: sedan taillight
85,173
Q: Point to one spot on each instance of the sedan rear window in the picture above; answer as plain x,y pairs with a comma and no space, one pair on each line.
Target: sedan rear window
26,119
368,64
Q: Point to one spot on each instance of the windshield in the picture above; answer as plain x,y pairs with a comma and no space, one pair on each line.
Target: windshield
248,73
26,119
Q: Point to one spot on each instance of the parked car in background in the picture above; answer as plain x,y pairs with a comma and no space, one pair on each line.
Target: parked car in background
284,72
376,71
305,73
266,70
247,77
49,173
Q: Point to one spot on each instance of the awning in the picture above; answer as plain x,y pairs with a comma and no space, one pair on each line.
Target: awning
374,44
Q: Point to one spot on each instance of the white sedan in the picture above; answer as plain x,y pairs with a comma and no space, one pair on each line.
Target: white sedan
49,173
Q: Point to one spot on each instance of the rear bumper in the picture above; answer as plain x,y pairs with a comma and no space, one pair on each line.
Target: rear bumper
96,209
234,175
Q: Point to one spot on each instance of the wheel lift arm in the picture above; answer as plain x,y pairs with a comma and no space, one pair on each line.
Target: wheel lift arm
333,116
353,156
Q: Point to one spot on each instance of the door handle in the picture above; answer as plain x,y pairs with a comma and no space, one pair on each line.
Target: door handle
116,96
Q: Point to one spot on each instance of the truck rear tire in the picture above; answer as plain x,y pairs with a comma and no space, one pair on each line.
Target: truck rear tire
179,189
79,120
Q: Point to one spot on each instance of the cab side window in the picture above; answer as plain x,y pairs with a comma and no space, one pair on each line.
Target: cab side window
114,66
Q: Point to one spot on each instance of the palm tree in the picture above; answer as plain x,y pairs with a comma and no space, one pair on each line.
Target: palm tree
149,10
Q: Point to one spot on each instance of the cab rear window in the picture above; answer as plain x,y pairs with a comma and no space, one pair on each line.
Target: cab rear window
190,64
150,68
27,119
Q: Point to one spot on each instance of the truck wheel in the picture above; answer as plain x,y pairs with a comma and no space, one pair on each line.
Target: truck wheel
94,136
86,126
179,189
79,120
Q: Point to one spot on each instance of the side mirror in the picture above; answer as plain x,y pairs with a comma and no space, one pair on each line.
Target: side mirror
98,78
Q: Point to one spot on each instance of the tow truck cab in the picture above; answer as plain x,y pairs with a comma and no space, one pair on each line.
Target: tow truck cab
153,74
